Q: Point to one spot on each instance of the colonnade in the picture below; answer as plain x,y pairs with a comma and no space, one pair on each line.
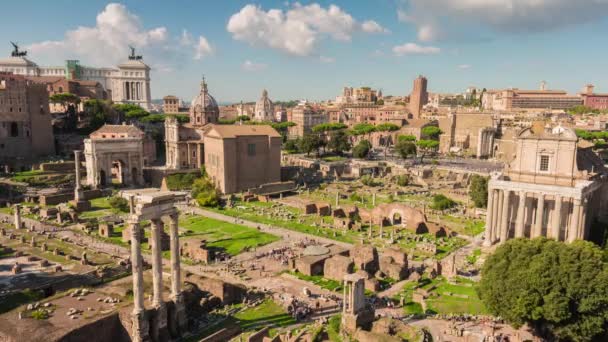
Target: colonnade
162,325
133,90
522,213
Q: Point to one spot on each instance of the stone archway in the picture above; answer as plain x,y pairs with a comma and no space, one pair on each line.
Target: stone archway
115,154
396,219
118,172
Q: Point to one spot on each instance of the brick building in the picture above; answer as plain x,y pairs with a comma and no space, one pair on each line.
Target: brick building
25,122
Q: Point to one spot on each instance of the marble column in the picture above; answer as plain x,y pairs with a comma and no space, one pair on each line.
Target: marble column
519,225
557,218
179,320
77,190
538,223
139,320
496,216
574,229
17,216
504,225
583,232
159,330
488,237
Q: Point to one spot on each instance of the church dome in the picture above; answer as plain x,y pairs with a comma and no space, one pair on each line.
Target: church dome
203,108
264,108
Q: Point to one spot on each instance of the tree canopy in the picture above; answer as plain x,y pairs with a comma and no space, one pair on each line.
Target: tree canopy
558,289
387,127
442,202
478,191
405,148
431,132
406,137
363,128
338,142
64,99
311,143
329,126
426,147
362,149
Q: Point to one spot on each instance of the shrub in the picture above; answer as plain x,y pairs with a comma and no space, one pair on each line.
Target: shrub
368,180
355,197
442,202
181,181
119,203
478,191
403,180
40,314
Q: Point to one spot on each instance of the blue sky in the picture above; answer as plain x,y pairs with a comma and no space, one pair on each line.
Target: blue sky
310,50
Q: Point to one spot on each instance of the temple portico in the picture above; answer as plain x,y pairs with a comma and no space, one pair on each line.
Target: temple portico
158,324
532,210
554,187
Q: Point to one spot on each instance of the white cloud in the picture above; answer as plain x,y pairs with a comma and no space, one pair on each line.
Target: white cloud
327,60
202,49
464,66
251,66
296,31
370,26
435,19
414,49
107,42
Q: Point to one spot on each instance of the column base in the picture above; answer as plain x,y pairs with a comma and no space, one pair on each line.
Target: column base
178,323
140,327
487,243
160,329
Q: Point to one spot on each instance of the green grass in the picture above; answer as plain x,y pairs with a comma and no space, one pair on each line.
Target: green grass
451,297
472,259
99,207
305,227
323,283
333,158
333,328
232,238
268,313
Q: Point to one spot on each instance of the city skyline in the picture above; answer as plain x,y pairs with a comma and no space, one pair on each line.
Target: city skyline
290,49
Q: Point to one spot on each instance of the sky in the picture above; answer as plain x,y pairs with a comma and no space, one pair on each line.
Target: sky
310,50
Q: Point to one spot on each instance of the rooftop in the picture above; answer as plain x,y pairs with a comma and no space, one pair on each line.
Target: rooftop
233,131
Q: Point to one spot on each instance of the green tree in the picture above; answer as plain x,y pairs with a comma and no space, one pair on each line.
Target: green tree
363,128
311,143
131,111
556,288
119,203
98,111
478,191
338,142
282,128
205,192
291,145
405,148
387,127
431,132
426,147
67,100
362,149
406,138
329,126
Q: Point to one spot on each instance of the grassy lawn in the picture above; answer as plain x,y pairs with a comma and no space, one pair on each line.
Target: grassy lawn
323,283
456,297
251,213
333,158
232,238
42,178
268,313
99,207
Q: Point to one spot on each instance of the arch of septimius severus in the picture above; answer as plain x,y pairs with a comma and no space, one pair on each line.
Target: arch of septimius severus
554,188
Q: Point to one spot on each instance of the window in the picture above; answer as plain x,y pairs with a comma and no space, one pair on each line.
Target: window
14,129
251,150
544,163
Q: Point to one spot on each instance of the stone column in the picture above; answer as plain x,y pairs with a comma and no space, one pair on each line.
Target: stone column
160,330
573,231
17,216
488,237
504,225
78,195
139,320
583,232
337,199
557,217
373,199
178,321
538,223
496,215
519,225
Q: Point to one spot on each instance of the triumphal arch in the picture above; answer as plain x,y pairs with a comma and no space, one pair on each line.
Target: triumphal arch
115,154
